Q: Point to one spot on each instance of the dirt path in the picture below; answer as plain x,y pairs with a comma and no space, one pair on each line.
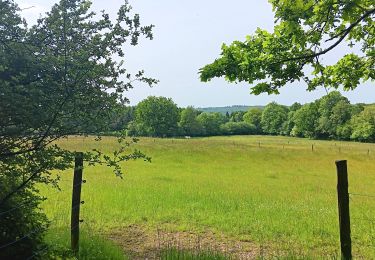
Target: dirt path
140,243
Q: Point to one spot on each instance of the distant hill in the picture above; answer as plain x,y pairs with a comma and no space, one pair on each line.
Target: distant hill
229,109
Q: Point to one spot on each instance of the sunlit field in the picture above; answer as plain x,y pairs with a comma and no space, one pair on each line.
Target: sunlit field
277,193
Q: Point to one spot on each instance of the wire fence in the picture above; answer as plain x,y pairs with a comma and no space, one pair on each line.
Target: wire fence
355,197
361,220
309,145
337,148
27,203
52,222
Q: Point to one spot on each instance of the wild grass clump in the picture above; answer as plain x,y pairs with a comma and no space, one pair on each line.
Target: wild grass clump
174,253
91,246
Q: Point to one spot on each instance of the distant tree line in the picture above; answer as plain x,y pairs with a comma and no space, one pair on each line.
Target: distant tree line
330,117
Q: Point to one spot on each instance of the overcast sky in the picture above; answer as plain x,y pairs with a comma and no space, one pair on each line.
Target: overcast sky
188,35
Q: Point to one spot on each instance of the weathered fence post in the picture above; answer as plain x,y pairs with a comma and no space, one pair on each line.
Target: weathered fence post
76,202
343,205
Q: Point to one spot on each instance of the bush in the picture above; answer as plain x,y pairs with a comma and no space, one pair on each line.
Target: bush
238,128
22,225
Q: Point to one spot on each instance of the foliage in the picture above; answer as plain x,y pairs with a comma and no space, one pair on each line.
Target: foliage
237,128
340,117
236,116
364,125
121,117
304,31
59,77
254,117
328,122
189,123
330,117
273,117
295,106
288,125
211,122
306,121
137,129
158,115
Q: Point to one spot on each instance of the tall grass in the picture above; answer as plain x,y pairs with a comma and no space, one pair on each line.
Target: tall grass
91,246
281,194
173,253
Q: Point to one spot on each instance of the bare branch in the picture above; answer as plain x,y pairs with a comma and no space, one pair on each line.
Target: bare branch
27,8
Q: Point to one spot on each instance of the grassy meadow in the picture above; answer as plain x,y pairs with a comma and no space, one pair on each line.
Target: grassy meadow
274,194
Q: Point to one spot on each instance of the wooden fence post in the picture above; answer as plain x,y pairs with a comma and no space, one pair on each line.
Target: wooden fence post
76,202
343,206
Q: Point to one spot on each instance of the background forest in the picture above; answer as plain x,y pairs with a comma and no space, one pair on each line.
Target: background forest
330,117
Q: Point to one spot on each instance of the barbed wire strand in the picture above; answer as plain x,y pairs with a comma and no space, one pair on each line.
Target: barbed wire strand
362,195
22,238
37,229
37,253
28,202
46,247
365,219
29,234
364,245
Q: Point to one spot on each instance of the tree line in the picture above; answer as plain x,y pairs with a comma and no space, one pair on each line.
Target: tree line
330,117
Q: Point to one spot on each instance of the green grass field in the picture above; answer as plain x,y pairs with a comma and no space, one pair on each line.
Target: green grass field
279,198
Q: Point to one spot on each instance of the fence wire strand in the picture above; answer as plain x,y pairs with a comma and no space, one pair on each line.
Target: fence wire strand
46,247
37,230
38,253
362,195
364,217
40,228
21,205
22,238
54,220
